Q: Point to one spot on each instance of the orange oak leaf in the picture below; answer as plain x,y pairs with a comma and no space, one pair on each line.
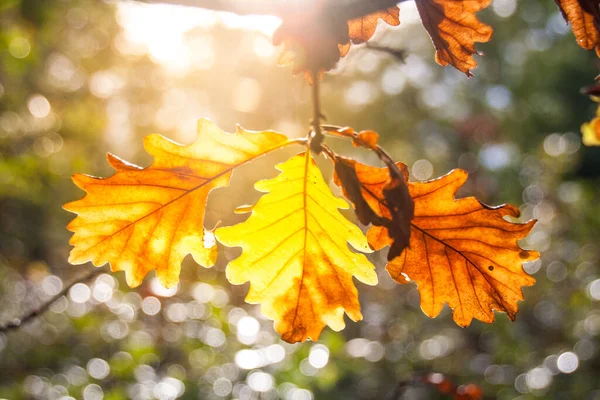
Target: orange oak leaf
461,251
362,29
140,219
366,139
454,29
584,17
295,253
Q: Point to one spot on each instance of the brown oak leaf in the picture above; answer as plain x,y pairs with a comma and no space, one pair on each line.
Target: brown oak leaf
454,29
584,17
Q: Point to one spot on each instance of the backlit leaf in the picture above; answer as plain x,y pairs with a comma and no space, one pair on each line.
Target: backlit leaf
584,17
362,29
295,253
461,251
591,131
367,139
140,219
454,29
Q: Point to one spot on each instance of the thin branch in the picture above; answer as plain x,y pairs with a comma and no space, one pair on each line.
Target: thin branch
399,54
18,322
343,9
349,133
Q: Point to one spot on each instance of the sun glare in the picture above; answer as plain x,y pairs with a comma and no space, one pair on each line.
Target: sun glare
160,31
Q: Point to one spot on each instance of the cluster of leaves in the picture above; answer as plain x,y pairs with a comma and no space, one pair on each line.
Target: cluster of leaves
316,39
295,242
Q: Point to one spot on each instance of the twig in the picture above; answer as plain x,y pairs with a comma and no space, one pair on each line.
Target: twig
399,54
349,133
18,322
343,9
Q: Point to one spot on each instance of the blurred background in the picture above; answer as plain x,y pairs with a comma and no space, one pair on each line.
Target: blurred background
80,78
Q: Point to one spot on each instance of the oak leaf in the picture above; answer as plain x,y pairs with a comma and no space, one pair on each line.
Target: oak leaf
140,219
364,185
591,131
584,17
362,29
295,253
454,29
461,251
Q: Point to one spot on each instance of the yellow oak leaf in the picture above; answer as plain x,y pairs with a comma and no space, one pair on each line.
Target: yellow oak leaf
140,219
591,131
295,253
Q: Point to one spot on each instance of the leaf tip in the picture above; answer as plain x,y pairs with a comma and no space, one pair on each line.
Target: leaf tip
119,164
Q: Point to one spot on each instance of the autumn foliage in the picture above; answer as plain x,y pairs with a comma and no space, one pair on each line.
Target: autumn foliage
315,40
296,255
295,242
299,253
142,219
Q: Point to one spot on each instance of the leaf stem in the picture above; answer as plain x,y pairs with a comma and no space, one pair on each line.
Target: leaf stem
36,312
349,133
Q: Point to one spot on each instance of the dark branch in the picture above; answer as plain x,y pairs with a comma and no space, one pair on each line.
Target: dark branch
18,322
399,54
343,9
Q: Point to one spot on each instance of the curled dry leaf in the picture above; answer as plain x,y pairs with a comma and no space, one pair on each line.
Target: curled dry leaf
584,17
365,186
295,253
454,29
345,176
140,219
461,251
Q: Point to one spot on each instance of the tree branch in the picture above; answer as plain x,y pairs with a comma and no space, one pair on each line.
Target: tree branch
343,9
18,322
